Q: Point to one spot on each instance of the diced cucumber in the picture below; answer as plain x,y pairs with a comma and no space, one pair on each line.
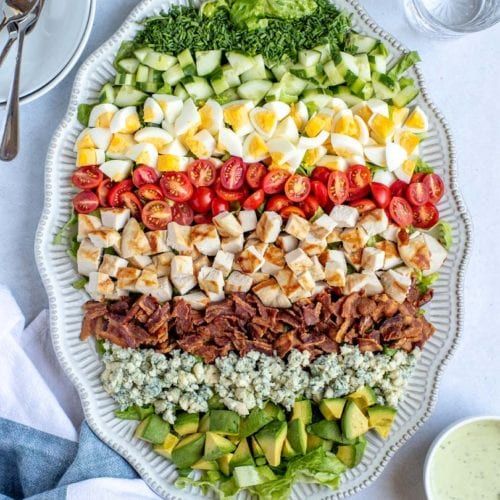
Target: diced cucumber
198,88
355,83
384,86
207,61
173,75
325,52
274,92
107,94
256,72
404,81
365,72
165,89
150,87
319,100
405,96
125,79
333,74
129,96
346,62
129,65
158,61
281,69
254,90
292,85
361,44
378,63
309,57
367,92
289,99
142,53
219,82
142,74
307,73
186,62
240,62
380,49
180,91
155,76
228,95
125,51
347,96
230,75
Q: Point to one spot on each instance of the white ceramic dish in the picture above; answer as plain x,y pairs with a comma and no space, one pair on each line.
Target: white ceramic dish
439,440
51,50
81,362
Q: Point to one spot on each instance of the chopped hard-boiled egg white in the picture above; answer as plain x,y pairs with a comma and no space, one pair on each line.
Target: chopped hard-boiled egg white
98,138
152,112
90,156
119,146
280,109
212,116
230,142
172,163
156,136
254,148
346,146
299,114
125,121
314,142
171,106
236,115
281,150
405,172
333,162
395,156
417,121
188,120
117,170
145,154
175,148
287,129
264,121
201,144
376,155
101,115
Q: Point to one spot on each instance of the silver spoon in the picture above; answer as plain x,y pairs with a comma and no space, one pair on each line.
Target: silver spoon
9,146
14,10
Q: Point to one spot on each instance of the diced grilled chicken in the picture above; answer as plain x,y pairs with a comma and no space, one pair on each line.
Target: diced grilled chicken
180,265
179,237
87,224
211,280
164,291
306,281
396,285
312,245
100,283
140,261
323,226
270,294
206,239
374,222
250,260
274,258
199,263
134,241
391,254
127,278
197,300
287,242
227,225
111,264
162,263
88,258
414,251
104,237
354,239
438,254
248,220
184,283
298,227
115,218
344,216
147,282
233,244
317,270
391,233
372,259
298,261
290,285
238,282
269,227
157,241
224,262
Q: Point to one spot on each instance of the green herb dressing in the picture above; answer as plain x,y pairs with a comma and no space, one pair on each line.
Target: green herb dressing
466,466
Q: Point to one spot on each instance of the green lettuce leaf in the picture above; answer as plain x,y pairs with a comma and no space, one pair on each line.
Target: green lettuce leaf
444,234
80,283
425,282
422,167
61,234
134,412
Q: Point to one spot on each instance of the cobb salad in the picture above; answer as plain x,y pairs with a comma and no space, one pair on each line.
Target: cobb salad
257,233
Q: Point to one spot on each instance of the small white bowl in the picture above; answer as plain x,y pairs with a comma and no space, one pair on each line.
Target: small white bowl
440,438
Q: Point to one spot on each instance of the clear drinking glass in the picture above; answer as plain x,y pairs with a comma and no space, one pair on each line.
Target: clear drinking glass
452,18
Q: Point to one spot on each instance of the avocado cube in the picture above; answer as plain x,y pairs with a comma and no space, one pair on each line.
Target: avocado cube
234,439
188,450
274,412
217,446
242,455
352,454
364,397
224,422
224,463
205,465
213,475
303,411
204,423
271,439
332,408
288,451
266,473
297,436
165,449
326,429
257,419
381,419
354,422
314,442
215,403
186,423
256,449
152,429
260,461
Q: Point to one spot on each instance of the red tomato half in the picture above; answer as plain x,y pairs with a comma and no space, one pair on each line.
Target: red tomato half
321,174
435,185
274,181
287,211
297,188
150,192
103,192
114,196
400,211
230,195
202,200
417,193
425,216
202,173
156,215
398,188
203,219
381,194
232,173
255,175
359,178
144,175
320,192
183,214
87,177
363,205
133,203
309,206
219,206
338,187
85,202
176,186
418,177
255,200
277,202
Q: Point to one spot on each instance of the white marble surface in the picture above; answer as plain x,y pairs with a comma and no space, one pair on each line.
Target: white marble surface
462,76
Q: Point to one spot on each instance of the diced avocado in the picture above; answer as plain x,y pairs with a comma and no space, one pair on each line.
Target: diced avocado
165,449
153,429
205,465
364,397
242,455
257,419
314,442
224,464
288,451
186,423
381,419
303,411
260,461
297,435
352,454
213,475
256,449
204,423
188,450
275,412
215,403
332,408
234,439
217,446
326,429
271,439
354,423
224,422
266,473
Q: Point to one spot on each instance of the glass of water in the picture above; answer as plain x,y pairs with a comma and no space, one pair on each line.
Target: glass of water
452,18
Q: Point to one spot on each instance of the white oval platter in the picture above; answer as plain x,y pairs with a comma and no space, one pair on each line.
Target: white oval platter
81,362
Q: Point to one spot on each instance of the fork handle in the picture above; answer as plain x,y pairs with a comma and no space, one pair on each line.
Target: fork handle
6,50
9,146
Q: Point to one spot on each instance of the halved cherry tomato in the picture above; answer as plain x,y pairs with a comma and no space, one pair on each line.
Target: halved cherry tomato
103,191
156,215
381,194
363,205
202,199
255,175
398,188
425,216
87,177
183,214
319,191
417,193
435,185
150,192
219,205
176,186
144,175
202,218
255,200
85,202
297,188
400,212
114,196
287,211
321,174
133,203
309,206
232,173
202,173
338,187
418,177
277,202
359,178
229,195
274,181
